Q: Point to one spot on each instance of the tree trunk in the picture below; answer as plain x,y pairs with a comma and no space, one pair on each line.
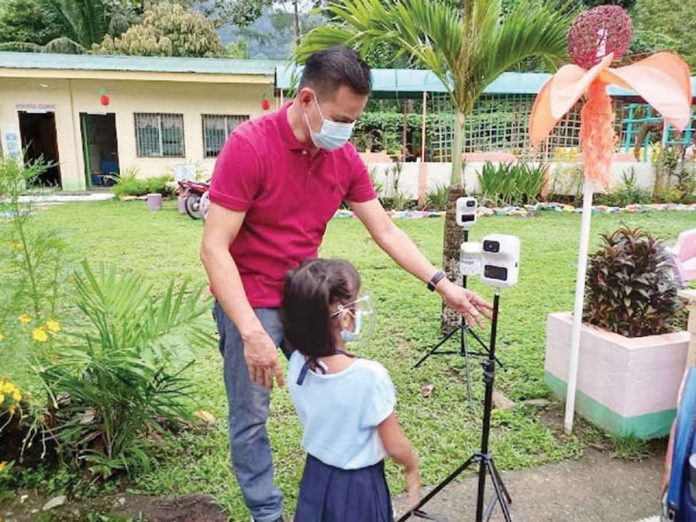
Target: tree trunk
297,22
453,235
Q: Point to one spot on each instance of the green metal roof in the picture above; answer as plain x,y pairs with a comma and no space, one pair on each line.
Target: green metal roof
100,62
387,83
404,83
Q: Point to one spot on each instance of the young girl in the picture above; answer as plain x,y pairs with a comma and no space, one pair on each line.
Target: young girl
345,404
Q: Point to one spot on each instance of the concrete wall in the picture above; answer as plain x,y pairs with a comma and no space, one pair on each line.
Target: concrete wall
563,176
68,98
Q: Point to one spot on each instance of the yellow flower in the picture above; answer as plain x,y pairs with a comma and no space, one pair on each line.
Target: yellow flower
2,337
53,326
25,318
2,466
16,245
16,395
40,335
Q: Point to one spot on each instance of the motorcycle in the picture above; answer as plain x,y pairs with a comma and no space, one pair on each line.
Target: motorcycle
195,196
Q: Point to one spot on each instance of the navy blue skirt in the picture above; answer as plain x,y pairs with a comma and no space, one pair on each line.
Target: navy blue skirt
329,494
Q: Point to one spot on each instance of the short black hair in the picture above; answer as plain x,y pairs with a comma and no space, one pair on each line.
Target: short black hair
325,71
310,292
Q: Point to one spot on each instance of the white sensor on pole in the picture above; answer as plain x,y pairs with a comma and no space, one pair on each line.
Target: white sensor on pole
466,212
500,257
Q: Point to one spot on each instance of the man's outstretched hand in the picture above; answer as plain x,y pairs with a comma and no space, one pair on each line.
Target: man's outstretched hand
465,302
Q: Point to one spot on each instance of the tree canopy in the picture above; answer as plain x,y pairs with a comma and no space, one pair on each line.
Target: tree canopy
166,30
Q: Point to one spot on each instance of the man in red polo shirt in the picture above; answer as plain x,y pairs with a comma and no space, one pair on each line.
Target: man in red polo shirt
278,181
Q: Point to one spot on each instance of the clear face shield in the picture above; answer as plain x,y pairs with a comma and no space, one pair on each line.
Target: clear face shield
357,319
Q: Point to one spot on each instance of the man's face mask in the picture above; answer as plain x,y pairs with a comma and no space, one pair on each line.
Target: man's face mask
333,134
361,313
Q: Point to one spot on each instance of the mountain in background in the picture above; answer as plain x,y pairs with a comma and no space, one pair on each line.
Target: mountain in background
271,36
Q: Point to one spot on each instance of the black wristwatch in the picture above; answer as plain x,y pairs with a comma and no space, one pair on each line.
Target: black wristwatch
439,276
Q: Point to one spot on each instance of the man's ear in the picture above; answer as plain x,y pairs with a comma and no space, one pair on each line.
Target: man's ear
305,96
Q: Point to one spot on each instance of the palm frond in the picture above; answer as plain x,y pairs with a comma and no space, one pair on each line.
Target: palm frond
80,21
532,29
429,33
24,47
466,49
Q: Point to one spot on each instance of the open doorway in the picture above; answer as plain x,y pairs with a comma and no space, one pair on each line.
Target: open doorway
38,131
99,148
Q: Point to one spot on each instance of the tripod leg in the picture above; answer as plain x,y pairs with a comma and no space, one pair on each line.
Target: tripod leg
500,481
498,492
488,513
435,348
485,348
440,486
481,490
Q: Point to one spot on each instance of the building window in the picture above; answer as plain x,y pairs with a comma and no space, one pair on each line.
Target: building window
159,135
216,128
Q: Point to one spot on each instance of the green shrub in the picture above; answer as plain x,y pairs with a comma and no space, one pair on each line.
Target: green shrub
436,199
510,183
626,193
117,382
129,184
376,183
37,256
397,199
631,285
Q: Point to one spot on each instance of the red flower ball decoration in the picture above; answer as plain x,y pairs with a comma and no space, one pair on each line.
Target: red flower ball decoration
104,100
598,32
265,104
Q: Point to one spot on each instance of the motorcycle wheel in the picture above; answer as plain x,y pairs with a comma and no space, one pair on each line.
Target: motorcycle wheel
193,206
204,205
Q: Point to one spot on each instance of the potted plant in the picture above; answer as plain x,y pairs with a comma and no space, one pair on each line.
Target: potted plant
633,348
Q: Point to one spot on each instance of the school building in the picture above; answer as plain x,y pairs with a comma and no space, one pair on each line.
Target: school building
92,115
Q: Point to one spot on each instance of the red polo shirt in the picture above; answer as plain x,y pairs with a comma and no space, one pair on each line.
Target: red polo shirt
288,196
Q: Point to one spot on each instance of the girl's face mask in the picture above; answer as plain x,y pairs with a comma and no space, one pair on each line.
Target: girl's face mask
360,311
333,134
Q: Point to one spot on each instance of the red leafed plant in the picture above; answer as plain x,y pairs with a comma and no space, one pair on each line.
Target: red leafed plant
631,285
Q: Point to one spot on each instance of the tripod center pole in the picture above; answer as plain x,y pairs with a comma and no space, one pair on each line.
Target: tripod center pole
466,240
489,378
489,375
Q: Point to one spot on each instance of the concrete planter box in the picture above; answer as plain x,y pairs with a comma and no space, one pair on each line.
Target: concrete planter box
628,387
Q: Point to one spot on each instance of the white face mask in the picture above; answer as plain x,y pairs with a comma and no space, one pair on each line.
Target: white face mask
333,134
359,309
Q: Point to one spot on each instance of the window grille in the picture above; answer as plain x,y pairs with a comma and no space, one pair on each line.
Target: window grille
159,135
216,129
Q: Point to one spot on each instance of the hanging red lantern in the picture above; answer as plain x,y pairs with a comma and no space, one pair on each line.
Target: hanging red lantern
104,100
265,104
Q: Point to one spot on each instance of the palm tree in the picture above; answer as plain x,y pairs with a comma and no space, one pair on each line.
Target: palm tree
466,45
80,24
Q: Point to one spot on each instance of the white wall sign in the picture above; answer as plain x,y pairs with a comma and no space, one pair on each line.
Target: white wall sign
36,107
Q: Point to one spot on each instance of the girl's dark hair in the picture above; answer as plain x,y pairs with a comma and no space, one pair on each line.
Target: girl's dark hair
310,292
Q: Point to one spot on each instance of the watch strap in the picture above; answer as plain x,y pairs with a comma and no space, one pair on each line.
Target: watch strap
439,276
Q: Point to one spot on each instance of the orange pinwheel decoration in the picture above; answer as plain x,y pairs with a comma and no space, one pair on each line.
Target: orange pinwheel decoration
598,37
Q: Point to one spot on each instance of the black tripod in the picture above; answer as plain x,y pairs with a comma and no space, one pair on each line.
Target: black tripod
483,458
463,351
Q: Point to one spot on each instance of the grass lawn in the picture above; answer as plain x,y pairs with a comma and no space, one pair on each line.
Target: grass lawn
444,431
